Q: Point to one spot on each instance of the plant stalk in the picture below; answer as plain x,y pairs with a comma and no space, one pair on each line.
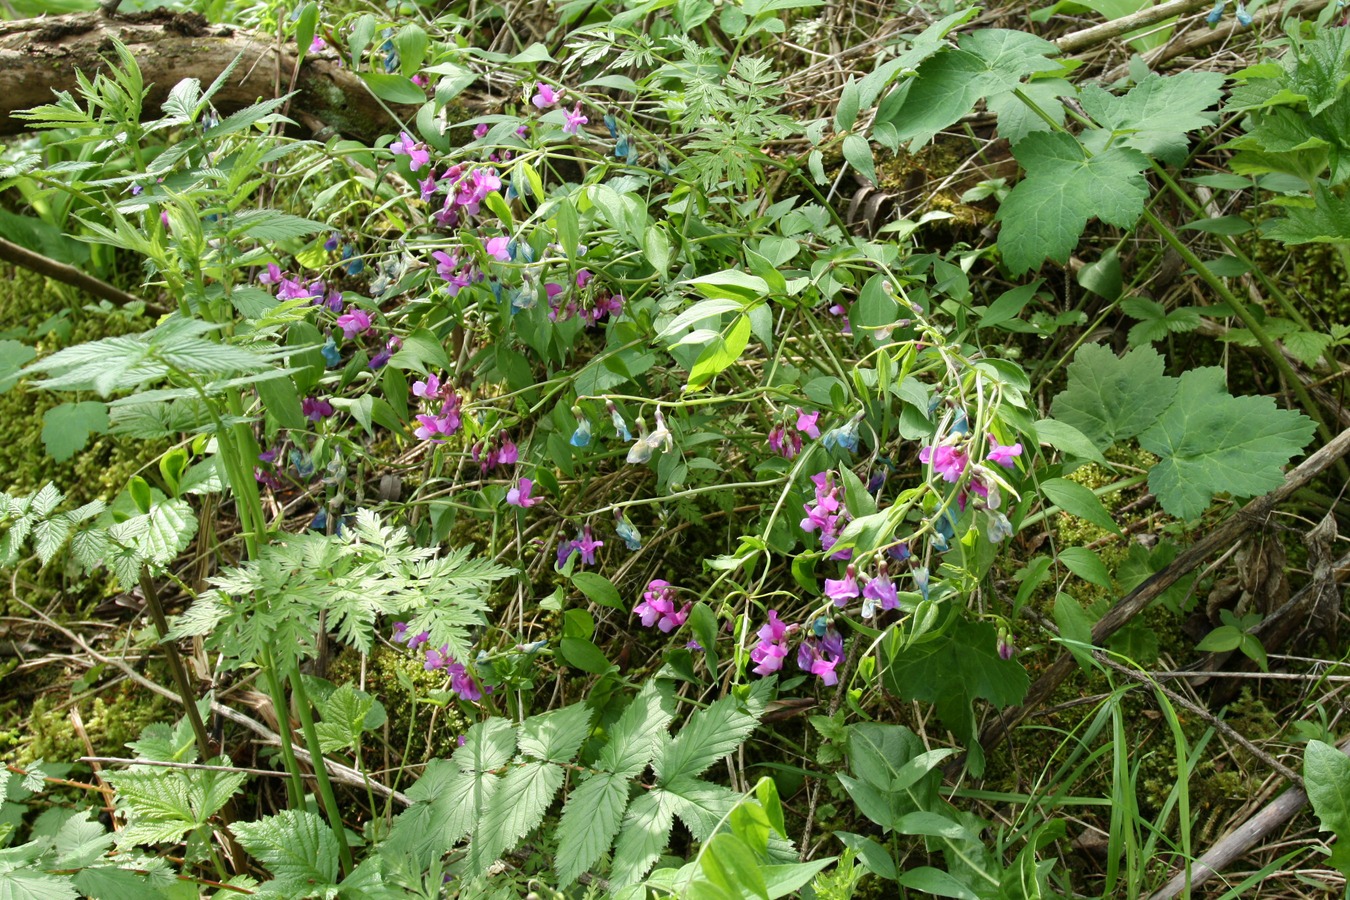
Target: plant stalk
176,667
320,771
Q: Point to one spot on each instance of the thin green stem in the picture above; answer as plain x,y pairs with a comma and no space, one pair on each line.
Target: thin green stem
296,783
330,806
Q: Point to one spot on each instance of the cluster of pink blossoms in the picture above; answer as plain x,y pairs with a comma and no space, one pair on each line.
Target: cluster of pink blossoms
499,450
443,423
461,682
827,514
657,607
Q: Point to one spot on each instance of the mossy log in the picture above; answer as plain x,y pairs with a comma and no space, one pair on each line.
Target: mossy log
39,56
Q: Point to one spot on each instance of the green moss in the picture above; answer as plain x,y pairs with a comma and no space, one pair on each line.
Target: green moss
110,719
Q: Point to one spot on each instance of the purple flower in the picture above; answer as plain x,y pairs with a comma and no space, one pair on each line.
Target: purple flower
1003,455
519,495
947,461
821,655
657,607
786,442
413,641
1005,645
317,44
545,96
272,275
879,590
498,248
418,154
842,590
427,389
586,545
136,189
314,410
480,130
772,649
584,277
508,454
427,186
439,427
420,80
353,322
575,120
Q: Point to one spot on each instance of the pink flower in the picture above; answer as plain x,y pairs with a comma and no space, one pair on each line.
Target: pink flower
584,277
353,322
545,96
317,44
947,461
657,607
575,119
271,276
842,590
497,248
480,130
420,80
519,495
427,389
806,423
1003,455
417,153
879,590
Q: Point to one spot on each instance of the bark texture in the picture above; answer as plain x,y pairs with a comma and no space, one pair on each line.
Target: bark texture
38,56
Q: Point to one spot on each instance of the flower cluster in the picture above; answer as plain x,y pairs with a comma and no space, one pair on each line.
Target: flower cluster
439,425
772,649
659,438
461,682
821,655
785,439
827,514
499,450
658,607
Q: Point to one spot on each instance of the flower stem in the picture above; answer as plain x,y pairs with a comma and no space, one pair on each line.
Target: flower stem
330,806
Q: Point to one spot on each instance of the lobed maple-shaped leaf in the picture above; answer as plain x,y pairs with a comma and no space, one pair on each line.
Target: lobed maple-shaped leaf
954,671
1327,221
1209,441
948,85
66,428
1111,398
1156,115
1064,187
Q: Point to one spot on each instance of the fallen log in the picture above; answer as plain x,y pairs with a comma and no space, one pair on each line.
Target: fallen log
39,56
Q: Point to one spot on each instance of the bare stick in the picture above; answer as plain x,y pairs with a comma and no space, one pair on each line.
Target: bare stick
11,252
1078,40
1241,839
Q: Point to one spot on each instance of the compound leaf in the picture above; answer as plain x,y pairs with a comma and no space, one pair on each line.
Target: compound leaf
589,823
1157,113
296,846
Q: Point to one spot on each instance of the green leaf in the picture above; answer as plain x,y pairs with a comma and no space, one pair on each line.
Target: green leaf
1327,221
589,823
709,735
1044,215
1077,500
1110,398
1155,322
66,428
296,846
633,739
952,672
393,88
728,862
1087,565
30,884
1209,441
1016,119
584,655
858,153
730,284
1068,439
270,225
517,807
411,43
936,882
557,735
643,836
1157,113
950,84
598,589
1074,625
846,113
13,355
1326,777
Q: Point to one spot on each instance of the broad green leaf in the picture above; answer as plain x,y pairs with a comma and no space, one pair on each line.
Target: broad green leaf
1209,441
952,672
728,862
1326,776
858,153
598,589
296,846
1068,439
589,823
393,88
1156,115
66,428
1044,215
516,809
584,655
935,882
13,355
31,884
732,285
1110,398
1016,119
1087,565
